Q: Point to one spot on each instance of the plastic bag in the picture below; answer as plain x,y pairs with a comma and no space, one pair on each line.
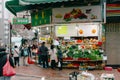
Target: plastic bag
59,64
8,70
30,61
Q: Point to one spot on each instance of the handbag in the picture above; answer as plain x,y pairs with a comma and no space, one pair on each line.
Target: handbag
8,70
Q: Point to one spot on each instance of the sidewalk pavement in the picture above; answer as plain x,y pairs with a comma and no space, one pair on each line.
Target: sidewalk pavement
35,72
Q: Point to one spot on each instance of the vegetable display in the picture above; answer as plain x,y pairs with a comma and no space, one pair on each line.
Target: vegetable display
82,54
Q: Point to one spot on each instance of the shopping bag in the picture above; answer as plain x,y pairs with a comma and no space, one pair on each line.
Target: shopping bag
30,61
8,70
59,64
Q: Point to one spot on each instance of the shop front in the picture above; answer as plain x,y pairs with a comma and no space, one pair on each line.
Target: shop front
112,34
79,30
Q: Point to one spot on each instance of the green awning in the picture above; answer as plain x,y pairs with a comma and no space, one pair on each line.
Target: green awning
15,6
27,2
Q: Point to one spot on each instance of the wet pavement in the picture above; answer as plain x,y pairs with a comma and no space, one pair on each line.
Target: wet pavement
35,72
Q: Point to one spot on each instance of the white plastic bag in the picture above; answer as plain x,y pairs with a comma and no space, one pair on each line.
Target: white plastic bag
59,64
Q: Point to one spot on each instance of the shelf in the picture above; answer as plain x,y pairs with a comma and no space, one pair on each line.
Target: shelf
70,67
85,43
91,64
82,60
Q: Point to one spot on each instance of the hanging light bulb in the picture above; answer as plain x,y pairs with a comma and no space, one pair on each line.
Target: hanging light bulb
47,28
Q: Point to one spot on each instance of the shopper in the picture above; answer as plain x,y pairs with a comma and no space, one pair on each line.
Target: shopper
30,50
21,50
39,55
35,50
44,54
16,54
3,60
60,56
25,55
53,56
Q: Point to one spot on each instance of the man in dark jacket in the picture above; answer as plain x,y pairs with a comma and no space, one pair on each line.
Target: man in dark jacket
60,56
44,54
3,60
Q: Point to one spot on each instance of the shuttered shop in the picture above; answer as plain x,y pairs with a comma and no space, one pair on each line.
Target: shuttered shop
113,43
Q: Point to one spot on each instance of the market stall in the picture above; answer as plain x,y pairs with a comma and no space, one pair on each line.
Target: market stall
81,36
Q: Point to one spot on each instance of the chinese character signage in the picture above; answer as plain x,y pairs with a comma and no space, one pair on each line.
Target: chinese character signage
77,14
20,20
41,17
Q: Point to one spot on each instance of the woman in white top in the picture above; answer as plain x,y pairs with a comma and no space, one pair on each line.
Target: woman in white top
53,56
16,56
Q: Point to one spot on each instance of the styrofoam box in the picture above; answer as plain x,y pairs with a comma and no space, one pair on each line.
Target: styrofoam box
105,76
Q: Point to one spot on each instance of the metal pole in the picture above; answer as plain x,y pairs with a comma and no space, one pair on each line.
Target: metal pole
2,20
10,35
104,12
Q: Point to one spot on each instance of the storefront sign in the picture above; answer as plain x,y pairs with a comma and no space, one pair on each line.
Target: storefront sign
62,30
20,20
77,14
41,17
81,30
66,30
88,30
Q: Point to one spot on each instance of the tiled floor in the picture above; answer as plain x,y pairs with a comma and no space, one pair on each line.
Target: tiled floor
34,72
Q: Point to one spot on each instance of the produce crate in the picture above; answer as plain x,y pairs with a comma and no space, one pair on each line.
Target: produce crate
106,76
73,75
81,76
85,76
